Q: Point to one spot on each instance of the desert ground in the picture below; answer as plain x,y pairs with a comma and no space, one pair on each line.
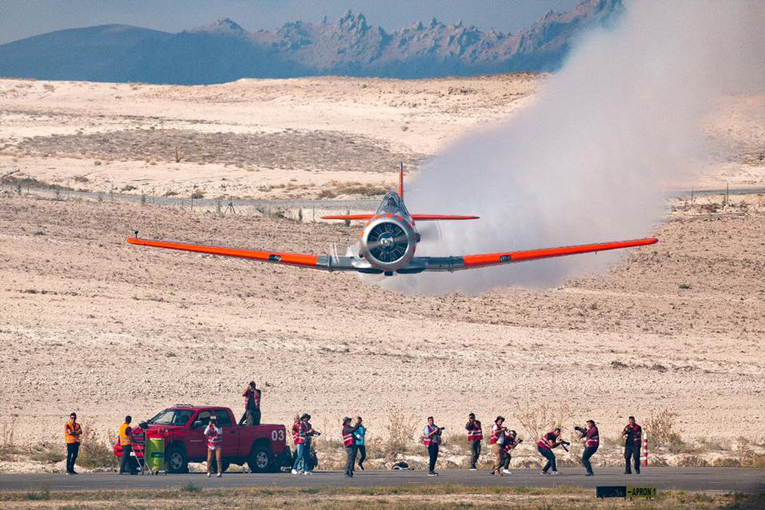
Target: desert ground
94,325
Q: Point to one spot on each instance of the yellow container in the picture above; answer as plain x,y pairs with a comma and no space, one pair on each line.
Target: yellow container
155,454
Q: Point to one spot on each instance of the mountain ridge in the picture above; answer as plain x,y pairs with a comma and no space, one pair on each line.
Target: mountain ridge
350,46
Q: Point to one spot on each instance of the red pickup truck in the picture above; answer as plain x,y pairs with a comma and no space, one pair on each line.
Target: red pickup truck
262,447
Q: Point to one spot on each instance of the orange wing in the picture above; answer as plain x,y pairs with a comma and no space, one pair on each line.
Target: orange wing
292,259
492,259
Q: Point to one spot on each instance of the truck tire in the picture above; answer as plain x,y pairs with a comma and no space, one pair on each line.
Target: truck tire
176,460
260,459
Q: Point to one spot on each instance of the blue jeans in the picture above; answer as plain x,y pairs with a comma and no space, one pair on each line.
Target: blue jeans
307,457
299,464
550,456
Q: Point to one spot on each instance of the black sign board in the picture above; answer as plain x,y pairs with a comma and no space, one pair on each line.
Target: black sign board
611,491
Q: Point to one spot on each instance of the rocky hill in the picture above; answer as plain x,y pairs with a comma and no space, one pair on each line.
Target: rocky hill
224,51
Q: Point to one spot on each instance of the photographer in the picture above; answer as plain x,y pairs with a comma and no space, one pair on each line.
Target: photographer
497,442
591,440
299,437
214,435
545,447
251,414
474,436
308,464
633,437
511,441
431,437
349,441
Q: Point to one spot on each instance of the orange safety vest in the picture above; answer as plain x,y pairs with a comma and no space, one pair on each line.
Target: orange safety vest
125,438
72,433
476,433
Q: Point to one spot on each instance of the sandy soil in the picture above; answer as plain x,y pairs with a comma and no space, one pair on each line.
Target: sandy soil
242,138
92,324
95,325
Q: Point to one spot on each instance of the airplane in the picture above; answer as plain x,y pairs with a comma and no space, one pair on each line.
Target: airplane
388,244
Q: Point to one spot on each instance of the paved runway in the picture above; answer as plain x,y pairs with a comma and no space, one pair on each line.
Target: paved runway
687,479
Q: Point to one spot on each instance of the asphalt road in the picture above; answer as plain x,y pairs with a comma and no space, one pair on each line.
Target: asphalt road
663,478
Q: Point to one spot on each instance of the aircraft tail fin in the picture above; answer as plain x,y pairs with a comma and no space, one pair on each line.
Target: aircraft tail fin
401,180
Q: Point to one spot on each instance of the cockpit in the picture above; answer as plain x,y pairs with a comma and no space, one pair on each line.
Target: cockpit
392,203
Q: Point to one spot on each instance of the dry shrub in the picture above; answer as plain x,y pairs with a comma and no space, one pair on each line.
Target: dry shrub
7,431
94,452
727,462
537,419
692,461
47,453
401,430
661,428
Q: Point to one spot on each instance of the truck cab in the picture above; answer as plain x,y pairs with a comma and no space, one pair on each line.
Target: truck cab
262,447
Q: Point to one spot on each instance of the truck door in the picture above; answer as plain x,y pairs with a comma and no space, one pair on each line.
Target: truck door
197,444
230,434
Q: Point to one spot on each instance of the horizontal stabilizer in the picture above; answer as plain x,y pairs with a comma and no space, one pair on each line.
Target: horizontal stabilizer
349,217
440,217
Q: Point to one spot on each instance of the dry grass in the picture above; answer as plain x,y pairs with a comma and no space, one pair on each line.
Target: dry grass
95,452
335,189
396,497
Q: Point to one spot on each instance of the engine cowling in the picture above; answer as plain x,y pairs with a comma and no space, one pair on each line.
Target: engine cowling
388,243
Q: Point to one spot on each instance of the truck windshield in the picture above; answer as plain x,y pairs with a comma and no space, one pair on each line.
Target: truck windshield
172,417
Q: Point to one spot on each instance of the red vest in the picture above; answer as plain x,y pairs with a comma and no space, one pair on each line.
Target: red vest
214,438
348,439
509,444
300,437
637,432
295,434
592,437
547,440
428,440
496,431
255,394
476,433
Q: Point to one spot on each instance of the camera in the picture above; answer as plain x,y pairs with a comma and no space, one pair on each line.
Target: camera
581,430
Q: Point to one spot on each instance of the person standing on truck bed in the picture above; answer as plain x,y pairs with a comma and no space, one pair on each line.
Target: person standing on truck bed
126,441
214,435
72,433
251,396
349,442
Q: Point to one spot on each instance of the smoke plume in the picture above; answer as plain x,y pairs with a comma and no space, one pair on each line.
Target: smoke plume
590,160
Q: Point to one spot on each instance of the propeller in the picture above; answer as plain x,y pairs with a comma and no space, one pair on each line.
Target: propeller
387,242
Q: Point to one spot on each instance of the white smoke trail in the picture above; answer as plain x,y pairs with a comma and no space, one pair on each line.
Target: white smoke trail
589,160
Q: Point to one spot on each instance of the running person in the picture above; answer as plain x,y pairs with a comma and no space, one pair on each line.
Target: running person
474,437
